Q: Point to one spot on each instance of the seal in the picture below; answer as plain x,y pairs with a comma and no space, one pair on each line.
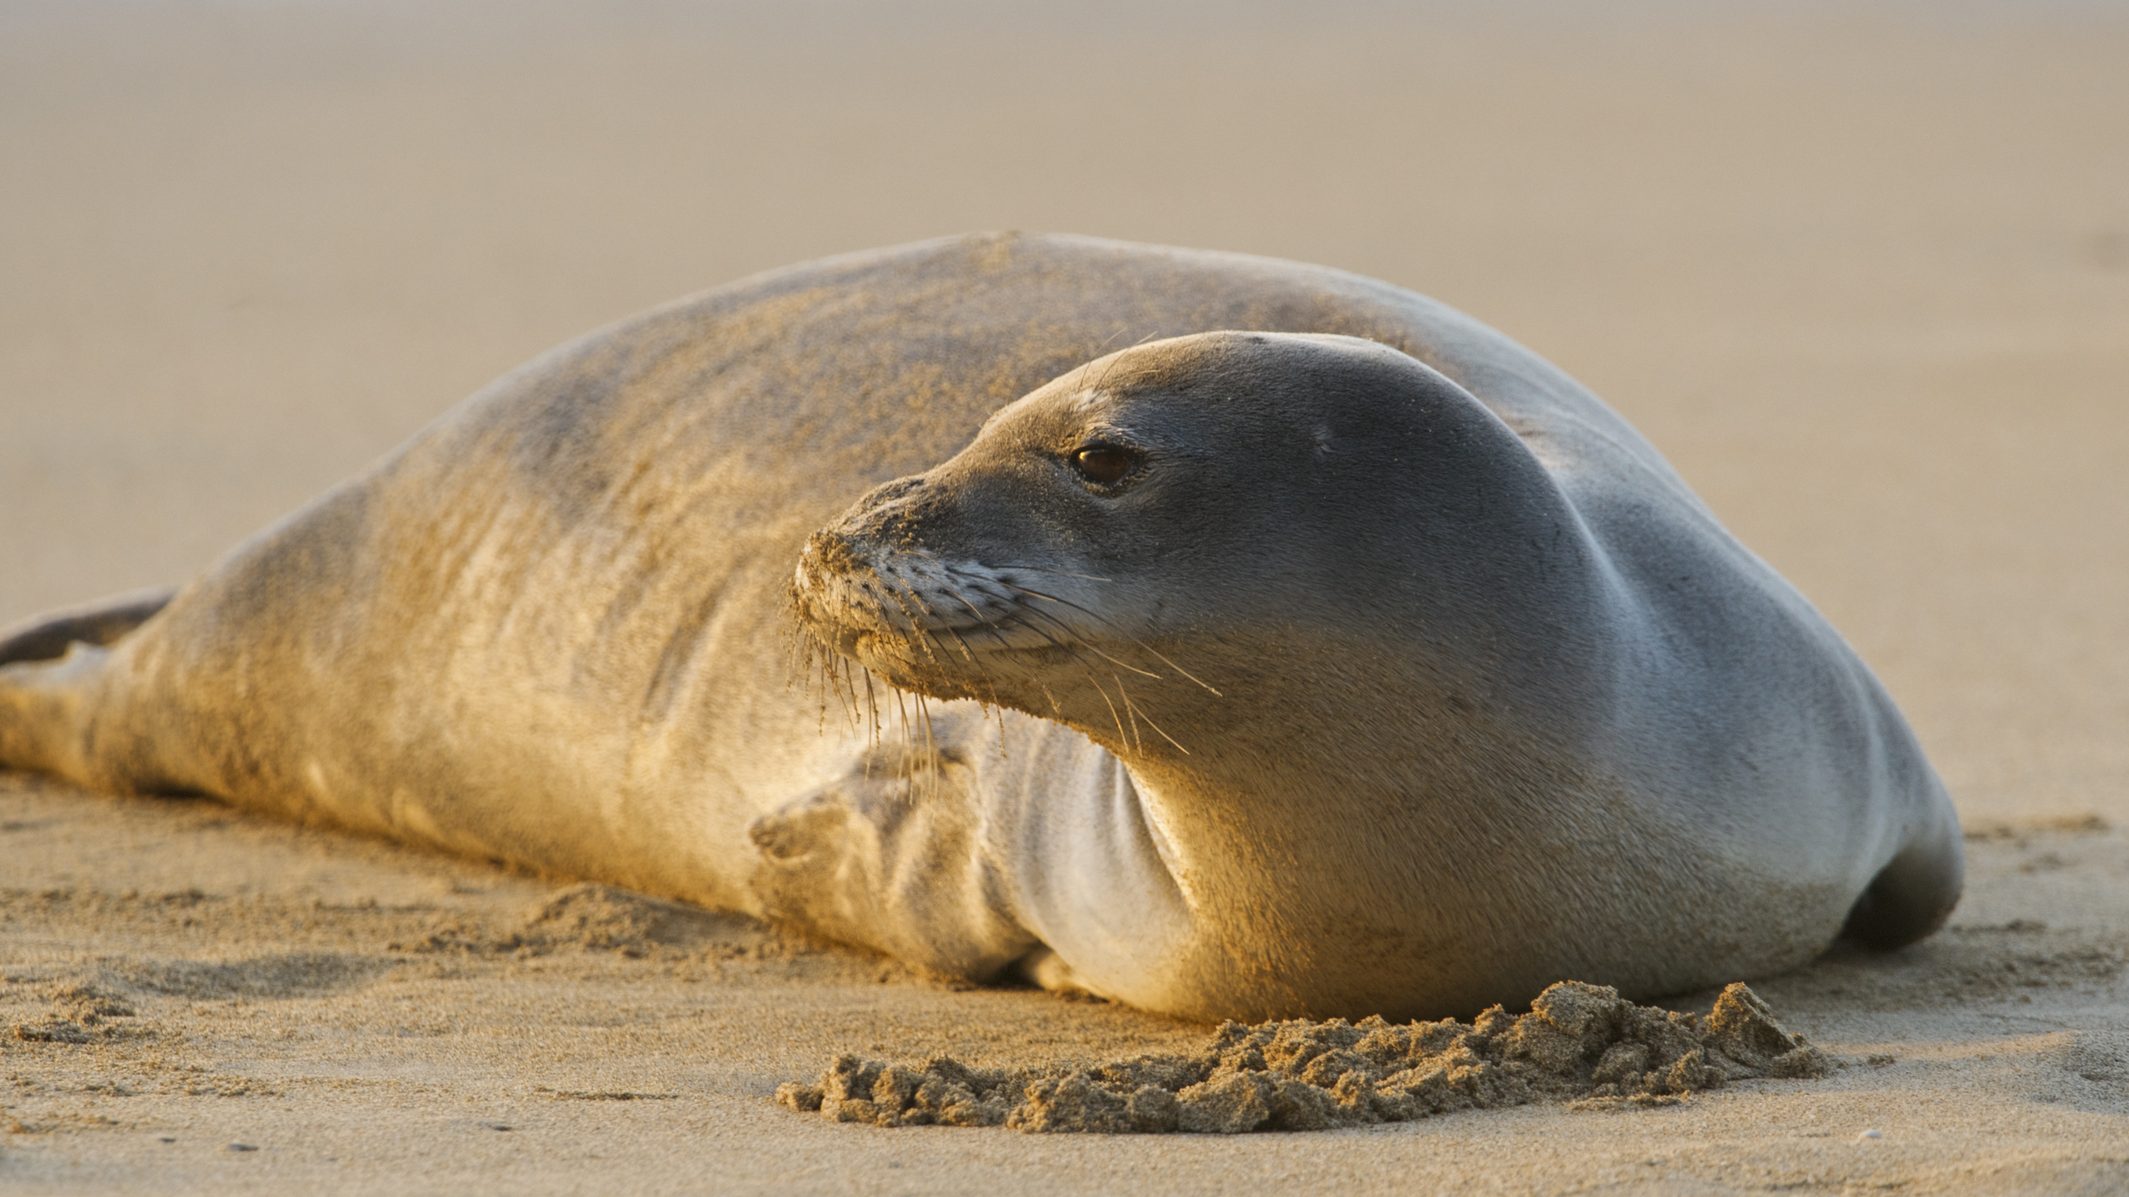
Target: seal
1323,652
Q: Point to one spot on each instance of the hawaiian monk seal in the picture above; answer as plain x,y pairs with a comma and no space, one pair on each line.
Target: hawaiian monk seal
1357,661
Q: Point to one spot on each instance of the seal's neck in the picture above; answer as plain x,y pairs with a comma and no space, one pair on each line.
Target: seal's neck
1347,877
1373,809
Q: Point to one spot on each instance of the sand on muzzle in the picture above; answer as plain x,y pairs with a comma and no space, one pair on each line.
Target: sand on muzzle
1579,1043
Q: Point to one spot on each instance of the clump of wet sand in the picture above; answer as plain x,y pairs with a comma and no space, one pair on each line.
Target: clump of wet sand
80,1013
1579,1043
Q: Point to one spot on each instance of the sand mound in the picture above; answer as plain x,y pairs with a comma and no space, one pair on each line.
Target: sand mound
80,1013
1579,1042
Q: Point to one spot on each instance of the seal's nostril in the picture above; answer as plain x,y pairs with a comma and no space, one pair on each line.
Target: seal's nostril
828,551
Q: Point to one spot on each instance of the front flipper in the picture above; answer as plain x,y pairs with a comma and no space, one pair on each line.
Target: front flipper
893,857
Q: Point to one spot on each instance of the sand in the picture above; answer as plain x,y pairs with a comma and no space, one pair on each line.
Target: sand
1864,277
1578,1042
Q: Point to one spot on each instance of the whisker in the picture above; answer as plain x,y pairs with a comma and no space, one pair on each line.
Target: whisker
966,651
983,621
1052,641
1073,652
872,707
1081,642
1137,715
823,679
904,599
1130,713
931,768
849,692
1062,573
1114,717
1119,631
901,706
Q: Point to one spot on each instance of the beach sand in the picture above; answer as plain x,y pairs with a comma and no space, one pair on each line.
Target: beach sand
1864,277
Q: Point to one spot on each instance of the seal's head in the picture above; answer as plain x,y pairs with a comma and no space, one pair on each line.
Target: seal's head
1275,514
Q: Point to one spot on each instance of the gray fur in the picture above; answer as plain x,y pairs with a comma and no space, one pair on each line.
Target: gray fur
1407,678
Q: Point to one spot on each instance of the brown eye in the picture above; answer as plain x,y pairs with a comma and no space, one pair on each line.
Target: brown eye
1104,465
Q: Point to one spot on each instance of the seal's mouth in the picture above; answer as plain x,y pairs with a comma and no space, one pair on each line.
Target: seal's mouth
1036,639
919,621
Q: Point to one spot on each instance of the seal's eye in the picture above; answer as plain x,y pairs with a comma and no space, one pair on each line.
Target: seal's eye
1103,464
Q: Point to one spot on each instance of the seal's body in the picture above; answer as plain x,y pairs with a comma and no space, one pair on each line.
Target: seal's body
1269,673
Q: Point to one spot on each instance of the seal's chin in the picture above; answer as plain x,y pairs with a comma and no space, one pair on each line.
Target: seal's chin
953,666
891,659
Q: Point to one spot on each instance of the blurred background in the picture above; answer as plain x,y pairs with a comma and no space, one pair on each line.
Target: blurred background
1861,271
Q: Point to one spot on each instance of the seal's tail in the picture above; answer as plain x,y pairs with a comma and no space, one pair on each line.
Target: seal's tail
100,624
44,676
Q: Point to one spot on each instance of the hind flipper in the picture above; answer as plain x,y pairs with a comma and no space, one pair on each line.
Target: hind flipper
102,623
45,708
1914,894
